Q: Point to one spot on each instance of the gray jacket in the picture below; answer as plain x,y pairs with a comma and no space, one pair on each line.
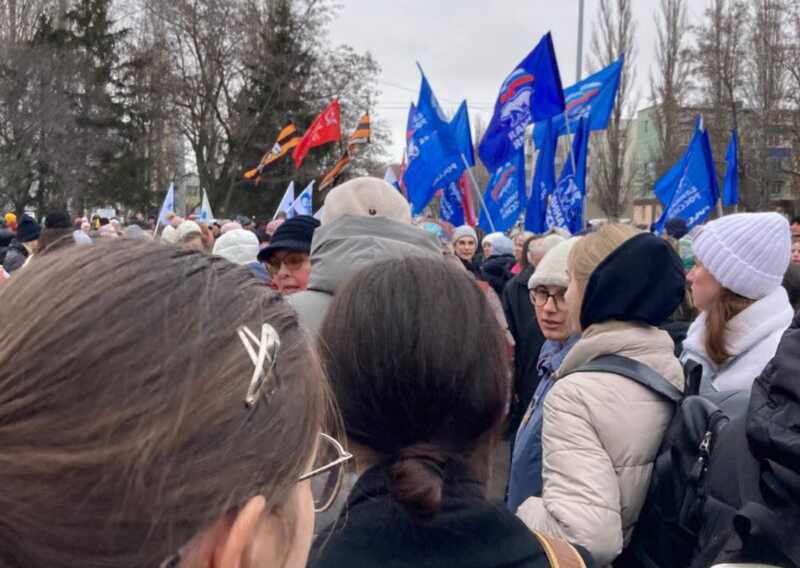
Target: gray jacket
347,245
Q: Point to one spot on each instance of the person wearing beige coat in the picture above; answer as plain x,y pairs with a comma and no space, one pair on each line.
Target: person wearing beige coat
602,431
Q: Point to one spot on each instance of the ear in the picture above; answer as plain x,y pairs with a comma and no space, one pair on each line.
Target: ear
232,550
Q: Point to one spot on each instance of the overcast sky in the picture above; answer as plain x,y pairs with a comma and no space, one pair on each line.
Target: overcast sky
467,47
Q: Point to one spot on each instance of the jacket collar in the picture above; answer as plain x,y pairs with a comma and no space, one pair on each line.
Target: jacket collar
641,342
748,328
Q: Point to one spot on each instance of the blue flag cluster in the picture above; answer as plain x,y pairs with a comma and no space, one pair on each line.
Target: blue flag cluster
532,92
591,99
438,151
565,205
689,190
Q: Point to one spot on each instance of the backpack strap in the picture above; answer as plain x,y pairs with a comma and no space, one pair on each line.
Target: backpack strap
560,553
633,370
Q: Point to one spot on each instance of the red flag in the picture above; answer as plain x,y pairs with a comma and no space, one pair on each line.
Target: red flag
464,185
324,129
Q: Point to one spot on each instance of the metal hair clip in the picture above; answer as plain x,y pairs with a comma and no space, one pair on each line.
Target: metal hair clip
264,358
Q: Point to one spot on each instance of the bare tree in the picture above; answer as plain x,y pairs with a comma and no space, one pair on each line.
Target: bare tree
792,62
18,19
613,36
765,93
670,83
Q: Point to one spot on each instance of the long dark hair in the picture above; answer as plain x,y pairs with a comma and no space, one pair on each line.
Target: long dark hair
417,363
122,417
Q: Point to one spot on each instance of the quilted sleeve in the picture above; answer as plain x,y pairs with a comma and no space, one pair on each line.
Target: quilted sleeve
581,498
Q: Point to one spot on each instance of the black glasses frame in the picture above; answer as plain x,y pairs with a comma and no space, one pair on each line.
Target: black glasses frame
536,295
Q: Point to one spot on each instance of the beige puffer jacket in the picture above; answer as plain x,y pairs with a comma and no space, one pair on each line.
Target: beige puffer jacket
600,437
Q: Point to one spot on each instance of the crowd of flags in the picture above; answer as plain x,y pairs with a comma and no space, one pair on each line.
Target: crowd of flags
325,129
439,154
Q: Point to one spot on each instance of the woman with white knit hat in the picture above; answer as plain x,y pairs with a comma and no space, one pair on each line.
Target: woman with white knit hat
546,289
736,284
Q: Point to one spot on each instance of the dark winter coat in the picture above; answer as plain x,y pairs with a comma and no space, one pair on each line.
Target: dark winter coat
528,340
6,236
497,271
16,255
752,513
469,532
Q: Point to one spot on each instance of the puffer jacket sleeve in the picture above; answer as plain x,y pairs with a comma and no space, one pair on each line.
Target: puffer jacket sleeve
581,498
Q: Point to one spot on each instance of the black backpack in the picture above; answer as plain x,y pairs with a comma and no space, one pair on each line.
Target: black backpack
666,533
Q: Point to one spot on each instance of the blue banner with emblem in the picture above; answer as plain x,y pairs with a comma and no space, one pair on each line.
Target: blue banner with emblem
592,99
505,195
565,204
532,92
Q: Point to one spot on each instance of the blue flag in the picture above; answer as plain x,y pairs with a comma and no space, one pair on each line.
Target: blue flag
285,205
593,99
452,207
565,204
462,133
168,206
428,106
391,178
505,195
544,182
303,204
693,193
730,189
426,157
206,214
433,163
532,92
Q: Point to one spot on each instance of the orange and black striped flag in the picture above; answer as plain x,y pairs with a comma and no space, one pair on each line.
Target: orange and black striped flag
360,135
287,140
330,177
362,132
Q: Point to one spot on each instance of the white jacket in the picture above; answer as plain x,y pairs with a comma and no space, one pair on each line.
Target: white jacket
752,338
600,437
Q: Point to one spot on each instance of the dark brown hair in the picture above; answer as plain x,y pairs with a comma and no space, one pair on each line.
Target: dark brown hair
727,305
122,417
526,246
417,362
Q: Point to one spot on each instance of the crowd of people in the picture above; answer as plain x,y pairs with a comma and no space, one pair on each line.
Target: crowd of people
334,392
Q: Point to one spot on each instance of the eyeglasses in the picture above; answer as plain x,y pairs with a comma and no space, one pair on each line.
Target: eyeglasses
293,262
540,296
327,473
326,481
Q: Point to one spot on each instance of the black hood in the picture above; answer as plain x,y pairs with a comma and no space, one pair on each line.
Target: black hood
641,281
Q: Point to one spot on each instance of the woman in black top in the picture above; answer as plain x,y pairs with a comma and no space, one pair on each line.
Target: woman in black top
423,386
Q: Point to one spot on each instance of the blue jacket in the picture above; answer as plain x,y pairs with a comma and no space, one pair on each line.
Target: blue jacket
525,476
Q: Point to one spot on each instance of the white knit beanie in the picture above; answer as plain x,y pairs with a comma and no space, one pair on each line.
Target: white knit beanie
238,246
169,235
544,245
747,253
464,231
552,270
187,229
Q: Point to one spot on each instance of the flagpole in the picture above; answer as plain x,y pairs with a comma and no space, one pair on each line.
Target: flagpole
571,155
478,191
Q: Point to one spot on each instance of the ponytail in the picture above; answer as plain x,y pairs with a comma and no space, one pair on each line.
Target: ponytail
416,479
